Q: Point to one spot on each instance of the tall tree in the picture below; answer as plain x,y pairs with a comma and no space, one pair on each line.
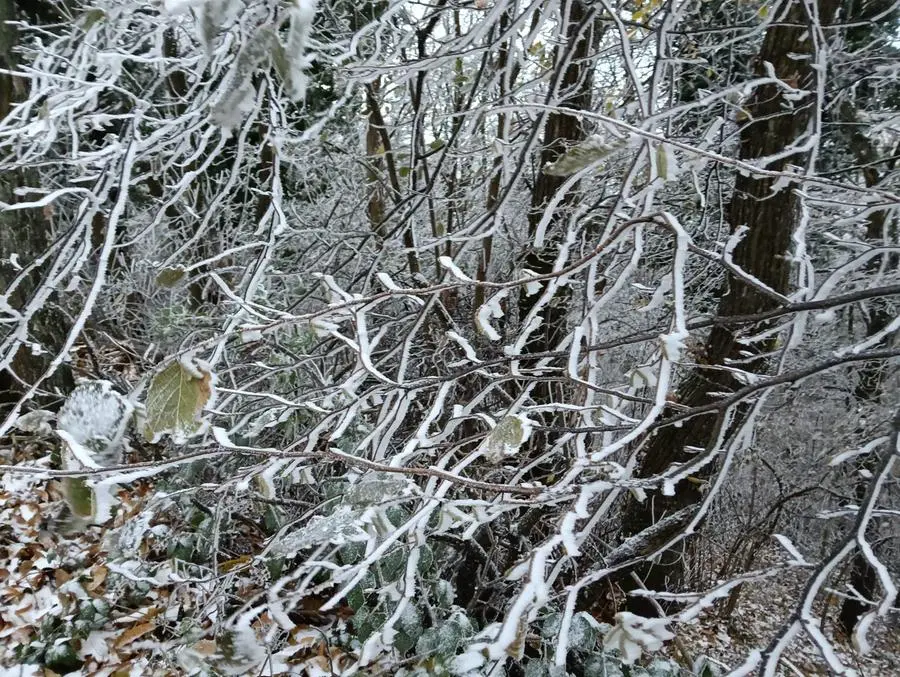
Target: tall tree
779,132
27,255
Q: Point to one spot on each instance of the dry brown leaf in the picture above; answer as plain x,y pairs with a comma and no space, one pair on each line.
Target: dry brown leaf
140,615
61,576
133,633
98,576
205,647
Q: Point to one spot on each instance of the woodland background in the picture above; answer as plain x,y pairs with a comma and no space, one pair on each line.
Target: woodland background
471,337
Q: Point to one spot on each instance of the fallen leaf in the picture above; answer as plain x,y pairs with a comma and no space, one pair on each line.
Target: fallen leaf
134,632
98,575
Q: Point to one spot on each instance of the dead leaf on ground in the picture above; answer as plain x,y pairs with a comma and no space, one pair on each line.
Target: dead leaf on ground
133,633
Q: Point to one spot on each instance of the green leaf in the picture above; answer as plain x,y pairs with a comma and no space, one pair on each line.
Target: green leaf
583,633
662,162
91,17
403,643
426,558
275,567
393,565
79,496
175,401
167,278
356,599
578,157
62,658
505,439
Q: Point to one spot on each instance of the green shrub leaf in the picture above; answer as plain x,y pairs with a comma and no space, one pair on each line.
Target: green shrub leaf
176,399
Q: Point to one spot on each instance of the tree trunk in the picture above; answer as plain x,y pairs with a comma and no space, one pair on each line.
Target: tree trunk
26,234
774,125
562,130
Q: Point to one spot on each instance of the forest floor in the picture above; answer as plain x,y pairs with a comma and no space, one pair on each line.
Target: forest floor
762,611
48,575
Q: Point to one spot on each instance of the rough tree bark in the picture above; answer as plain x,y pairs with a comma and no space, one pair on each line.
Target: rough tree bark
562,130
28,233
774,125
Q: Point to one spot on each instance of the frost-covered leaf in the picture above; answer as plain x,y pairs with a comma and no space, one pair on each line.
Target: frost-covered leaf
411,622
583,632
536,668
214,14
62,658
446,639
79,496
293,57
376,488
578,157
507,437
444,594
340,527
91,17
703,667
666,162
176,398
93,420
37,422
169,277
237,99
602,665
282,63
491,309
551,625
634,634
